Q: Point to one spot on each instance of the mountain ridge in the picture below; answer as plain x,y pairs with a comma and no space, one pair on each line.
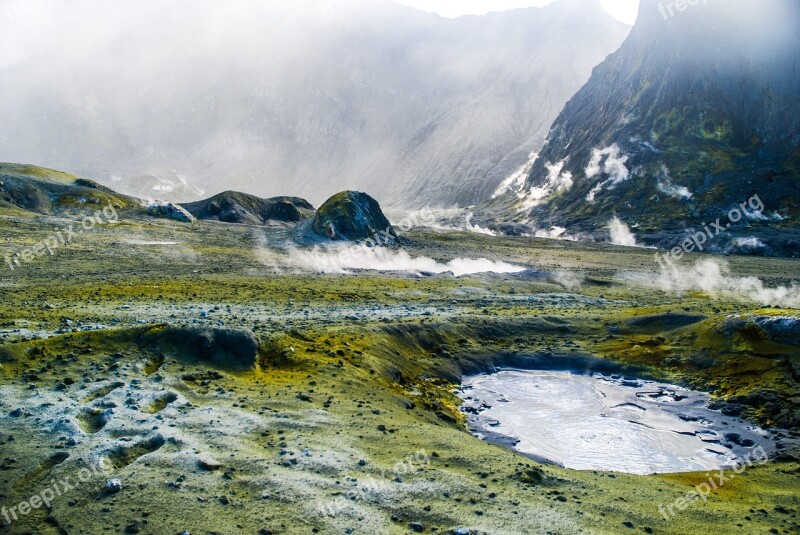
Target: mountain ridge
668,135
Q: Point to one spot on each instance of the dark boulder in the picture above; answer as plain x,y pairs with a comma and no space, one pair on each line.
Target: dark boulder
349,216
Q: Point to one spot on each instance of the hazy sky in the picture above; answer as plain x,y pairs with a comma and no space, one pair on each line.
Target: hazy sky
624,10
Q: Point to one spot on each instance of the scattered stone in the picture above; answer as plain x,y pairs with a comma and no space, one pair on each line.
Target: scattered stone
209,464
134,527
531,476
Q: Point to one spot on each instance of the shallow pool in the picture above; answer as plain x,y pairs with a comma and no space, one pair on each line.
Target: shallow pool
598,422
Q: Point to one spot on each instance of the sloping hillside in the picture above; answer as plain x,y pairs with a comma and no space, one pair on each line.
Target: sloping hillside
696,113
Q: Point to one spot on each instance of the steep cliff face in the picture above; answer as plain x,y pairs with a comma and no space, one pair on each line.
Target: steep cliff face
698,111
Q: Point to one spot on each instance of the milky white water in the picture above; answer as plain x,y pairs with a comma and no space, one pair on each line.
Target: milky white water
602,423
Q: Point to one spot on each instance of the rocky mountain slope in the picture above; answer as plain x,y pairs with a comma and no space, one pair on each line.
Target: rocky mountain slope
696,113
304,98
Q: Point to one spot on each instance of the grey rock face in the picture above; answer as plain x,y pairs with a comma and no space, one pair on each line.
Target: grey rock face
170,210
693,115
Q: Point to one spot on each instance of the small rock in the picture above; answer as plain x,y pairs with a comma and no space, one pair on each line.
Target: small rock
417,527
113,486
209,464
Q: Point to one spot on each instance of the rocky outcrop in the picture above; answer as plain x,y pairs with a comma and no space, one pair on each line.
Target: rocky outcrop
168,210
349,216
236,207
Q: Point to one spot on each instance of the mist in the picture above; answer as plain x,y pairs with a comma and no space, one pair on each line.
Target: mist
175,100
621,234
714,277
346,259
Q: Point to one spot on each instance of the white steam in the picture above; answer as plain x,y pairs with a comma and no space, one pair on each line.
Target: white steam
557,180
292,97
342,259
749,243
516,181
477,229
713,276
621,234
609,162
555,233
560,233
448,215
568,279
666,186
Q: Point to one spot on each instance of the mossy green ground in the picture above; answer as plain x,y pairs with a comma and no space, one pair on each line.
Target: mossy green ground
351,368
